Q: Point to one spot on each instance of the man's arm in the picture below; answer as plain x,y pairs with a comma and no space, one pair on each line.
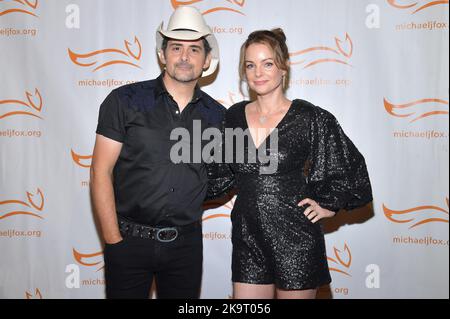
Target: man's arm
106,153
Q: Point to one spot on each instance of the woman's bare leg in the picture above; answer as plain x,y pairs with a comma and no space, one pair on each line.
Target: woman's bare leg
296,294
249,291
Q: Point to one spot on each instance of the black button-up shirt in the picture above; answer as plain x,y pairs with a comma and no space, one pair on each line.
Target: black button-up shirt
149,188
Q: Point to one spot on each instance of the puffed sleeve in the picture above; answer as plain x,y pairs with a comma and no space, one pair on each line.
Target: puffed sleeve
220,174
338,174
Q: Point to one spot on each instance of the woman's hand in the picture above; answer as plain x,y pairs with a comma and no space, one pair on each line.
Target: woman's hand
314,212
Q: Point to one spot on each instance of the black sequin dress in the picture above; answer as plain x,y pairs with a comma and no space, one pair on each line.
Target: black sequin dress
273,241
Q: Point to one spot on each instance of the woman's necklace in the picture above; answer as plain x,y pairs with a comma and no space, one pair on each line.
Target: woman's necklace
263,117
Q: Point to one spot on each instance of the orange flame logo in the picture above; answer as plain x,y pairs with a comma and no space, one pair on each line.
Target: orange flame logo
30,104
227,5
339,260
37,205
342,52
228,205
215,216
418,215
78,158
417,6
26,3
91,58
403,110
37,294
92,260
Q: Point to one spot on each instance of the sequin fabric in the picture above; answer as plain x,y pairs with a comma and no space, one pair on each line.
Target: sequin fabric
273,241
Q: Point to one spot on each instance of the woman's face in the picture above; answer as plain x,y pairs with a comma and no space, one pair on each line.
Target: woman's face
263,76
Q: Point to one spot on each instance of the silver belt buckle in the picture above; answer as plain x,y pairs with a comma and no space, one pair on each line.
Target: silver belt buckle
170,230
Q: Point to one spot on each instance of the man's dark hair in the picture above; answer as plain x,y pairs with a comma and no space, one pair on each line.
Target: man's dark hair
206,45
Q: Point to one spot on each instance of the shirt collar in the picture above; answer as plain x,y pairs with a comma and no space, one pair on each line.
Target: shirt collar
161,89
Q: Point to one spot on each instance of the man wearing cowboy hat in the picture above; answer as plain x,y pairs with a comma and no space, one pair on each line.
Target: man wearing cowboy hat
148,207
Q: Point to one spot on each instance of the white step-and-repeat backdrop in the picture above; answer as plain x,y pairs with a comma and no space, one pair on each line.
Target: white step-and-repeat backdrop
380,66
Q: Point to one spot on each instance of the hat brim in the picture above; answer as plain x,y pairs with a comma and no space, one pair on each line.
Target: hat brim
187,35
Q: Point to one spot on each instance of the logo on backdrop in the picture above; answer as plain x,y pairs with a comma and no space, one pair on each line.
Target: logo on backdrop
32,106
211,215
415,6
81,160
417,110
106,57
208,6
340,54
37,294
93,260
341,260
418,216
31,207
22,7
86,260
228,206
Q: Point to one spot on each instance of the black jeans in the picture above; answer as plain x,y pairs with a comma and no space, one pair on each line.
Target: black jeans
131,265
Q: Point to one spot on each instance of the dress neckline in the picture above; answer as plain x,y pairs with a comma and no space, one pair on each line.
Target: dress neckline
263,142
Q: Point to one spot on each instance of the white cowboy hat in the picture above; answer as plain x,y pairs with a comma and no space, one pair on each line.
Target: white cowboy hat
187,23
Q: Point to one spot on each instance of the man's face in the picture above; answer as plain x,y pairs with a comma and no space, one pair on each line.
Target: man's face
185,60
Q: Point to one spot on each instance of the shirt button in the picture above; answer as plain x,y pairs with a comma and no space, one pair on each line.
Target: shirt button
172,190
177,112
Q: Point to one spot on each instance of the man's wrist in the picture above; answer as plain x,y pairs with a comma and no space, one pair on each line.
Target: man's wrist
113,239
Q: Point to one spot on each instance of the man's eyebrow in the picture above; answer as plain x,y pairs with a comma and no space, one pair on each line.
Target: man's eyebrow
181,44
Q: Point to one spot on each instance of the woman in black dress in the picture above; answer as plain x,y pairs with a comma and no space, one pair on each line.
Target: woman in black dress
278,246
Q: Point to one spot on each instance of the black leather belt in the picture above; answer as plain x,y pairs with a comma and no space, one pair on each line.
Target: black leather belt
161,234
